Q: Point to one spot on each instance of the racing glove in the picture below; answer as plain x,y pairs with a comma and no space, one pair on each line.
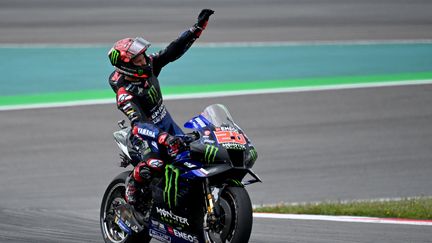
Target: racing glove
174,145
201,24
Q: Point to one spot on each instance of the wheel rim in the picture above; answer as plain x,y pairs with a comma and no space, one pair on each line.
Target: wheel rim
227,219
110,228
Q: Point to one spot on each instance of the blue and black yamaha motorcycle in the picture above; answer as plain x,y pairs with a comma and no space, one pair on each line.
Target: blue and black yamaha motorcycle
200,197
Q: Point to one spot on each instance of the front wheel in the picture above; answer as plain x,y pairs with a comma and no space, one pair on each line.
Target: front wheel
114,196
235,223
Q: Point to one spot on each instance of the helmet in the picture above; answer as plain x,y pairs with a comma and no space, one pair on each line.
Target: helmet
124,51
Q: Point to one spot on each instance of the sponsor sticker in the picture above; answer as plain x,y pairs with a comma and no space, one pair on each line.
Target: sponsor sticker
200,122
146,132
123,98
208,141
159,236
189,165
234,146
158,114
230,137
210,153
205,172
153,94
114,55
185,236
170,215
159,226
228,129
155,163
154,144
172,175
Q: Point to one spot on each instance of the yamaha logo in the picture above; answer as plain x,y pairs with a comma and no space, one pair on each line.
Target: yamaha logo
146,132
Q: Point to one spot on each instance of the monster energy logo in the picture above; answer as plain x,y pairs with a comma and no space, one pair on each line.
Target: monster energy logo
114,56
253,154
210,153
153,94
237,182
171,184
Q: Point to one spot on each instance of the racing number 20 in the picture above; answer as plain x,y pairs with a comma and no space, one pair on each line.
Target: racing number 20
230,137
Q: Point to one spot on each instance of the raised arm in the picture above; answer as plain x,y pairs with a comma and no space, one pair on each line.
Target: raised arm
179,46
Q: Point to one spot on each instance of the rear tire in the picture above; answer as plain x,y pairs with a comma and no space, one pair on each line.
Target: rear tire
111,233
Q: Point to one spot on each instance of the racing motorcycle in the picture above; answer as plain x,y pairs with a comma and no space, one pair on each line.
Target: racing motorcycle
200,196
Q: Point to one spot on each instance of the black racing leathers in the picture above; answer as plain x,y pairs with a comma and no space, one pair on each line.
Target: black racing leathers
141,100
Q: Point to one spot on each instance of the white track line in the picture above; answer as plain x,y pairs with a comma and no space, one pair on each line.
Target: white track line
299,89
351,219
224,94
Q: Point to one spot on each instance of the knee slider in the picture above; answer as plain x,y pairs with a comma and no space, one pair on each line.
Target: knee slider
155,164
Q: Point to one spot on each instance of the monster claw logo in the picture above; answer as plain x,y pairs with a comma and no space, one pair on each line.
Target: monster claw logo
153,94
253,154
210,153
114,56
171,184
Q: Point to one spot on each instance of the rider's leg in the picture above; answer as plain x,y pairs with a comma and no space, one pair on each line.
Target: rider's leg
138,182
168,125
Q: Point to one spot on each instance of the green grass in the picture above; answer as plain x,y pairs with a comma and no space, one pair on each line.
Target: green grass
408,208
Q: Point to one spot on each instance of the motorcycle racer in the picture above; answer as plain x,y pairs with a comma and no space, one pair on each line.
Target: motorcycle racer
139,97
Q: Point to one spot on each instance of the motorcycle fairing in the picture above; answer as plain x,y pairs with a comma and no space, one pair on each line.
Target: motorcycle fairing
178,195
221,140
176,224
206,172
198,123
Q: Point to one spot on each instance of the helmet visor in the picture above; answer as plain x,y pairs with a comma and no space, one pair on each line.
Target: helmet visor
138,46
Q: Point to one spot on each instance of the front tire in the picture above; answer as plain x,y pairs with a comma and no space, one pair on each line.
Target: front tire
236,216
115,194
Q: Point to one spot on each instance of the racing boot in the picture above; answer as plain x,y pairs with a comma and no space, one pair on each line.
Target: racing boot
138,192
127,220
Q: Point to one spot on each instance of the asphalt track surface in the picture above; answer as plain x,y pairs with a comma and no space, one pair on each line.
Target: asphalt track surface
345,144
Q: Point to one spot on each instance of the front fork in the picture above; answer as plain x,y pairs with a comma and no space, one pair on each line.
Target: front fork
209,204
212,213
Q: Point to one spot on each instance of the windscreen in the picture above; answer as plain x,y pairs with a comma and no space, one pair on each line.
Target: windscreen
218,115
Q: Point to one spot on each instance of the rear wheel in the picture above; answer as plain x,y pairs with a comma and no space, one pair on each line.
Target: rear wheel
235,222
114,196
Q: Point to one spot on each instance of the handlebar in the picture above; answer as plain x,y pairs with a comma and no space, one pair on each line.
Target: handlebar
189,137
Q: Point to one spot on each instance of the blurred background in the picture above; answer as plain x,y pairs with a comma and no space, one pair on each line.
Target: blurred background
339,144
